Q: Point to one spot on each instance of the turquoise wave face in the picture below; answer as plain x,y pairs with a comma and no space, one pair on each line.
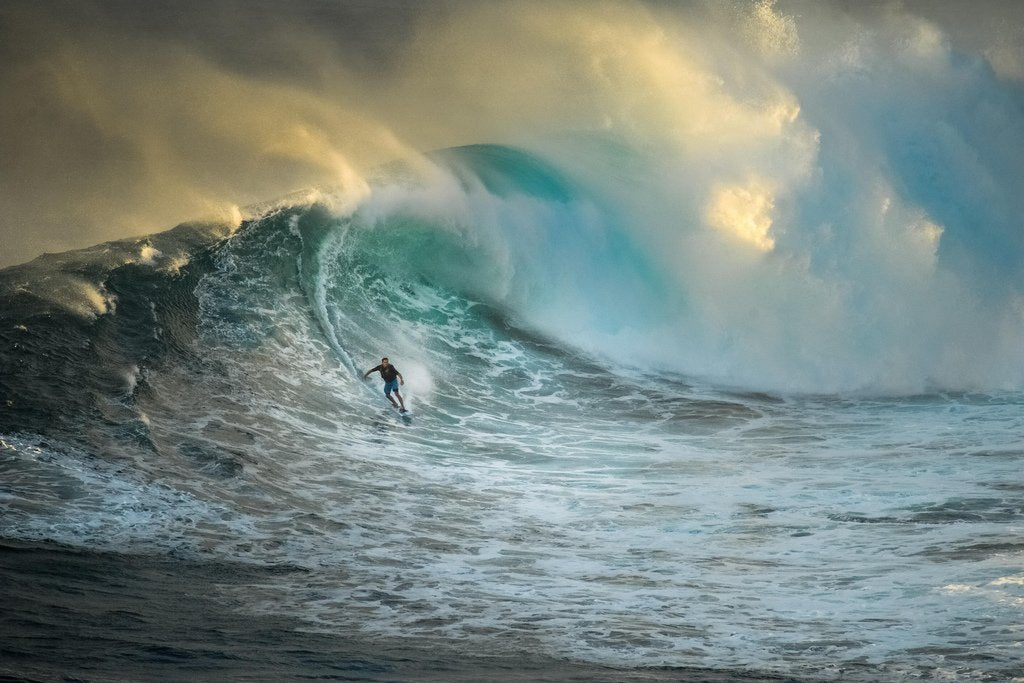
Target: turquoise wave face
488,224
507,171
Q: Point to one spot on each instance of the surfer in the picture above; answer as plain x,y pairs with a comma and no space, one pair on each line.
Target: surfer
392,378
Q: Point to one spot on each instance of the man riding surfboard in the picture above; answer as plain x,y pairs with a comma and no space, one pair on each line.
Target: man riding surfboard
392,378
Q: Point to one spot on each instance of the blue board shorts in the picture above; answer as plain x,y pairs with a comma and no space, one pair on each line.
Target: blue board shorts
390,386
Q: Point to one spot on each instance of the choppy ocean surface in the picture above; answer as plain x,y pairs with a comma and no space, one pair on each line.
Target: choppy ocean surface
196,483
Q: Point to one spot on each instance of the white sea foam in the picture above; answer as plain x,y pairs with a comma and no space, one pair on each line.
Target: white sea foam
149,254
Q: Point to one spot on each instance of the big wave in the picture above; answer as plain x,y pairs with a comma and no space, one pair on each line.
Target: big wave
552,245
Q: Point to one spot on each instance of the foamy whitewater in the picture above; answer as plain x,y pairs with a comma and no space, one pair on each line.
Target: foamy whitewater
744,409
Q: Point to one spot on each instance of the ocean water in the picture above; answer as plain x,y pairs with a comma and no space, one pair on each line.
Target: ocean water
196,481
